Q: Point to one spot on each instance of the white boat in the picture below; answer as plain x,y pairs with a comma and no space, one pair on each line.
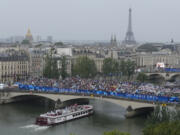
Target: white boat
63,115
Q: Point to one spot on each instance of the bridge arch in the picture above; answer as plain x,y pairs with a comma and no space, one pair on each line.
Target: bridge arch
34,99
139,111
156,75
156,78
68,97
53,99
175,77
27,97
136,106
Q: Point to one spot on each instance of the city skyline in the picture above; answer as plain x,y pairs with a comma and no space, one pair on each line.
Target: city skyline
90,20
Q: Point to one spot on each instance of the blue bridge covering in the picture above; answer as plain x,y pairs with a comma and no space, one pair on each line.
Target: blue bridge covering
150,98
172,69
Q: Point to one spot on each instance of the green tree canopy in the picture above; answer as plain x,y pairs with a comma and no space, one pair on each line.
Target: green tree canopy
63,70
142,77
84,67
164,128
25,41
110,66
161,114
163,121
59,44
127,68
123,68
130,68
51,68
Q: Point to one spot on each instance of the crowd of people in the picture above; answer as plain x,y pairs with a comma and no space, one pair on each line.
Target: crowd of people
104,85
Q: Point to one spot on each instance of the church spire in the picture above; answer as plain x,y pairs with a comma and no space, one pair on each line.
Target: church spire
113,40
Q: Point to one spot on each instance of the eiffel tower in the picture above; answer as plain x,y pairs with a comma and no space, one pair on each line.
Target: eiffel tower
129,39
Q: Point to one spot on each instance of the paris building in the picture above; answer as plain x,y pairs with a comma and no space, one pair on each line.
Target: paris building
14,66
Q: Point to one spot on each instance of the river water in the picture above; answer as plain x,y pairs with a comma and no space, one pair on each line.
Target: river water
19,118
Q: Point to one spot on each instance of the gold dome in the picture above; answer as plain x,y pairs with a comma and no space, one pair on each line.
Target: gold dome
29,36
28,33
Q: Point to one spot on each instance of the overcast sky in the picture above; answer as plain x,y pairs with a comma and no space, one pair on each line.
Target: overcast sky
153,20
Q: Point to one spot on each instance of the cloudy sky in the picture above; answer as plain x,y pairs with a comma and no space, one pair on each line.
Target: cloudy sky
153,20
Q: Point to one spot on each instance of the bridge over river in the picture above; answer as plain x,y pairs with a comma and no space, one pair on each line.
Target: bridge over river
165,75
134,107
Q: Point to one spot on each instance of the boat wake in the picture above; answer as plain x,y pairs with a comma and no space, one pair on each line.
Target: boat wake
35,127
30,126
41,128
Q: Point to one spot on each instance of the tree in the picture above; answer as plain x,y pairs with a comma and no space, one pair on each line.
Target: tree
84,67
123,68
142,77
130,68
51,67
39,46
115,132
159,115
162,122
63,70
127,68
55,73
110,66
25,41
47,69
59,44
164,128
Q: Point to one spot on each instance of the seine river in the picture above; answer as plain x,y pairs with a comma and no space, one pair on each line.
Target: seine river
19,118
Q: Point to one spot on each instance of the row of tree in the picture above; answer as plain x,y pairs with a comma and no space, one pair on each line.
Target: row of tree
163,121
86,67
52,70
122,68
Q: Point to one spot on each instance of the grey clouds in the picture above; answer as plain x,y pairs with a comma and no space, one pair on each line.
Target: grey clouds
153,20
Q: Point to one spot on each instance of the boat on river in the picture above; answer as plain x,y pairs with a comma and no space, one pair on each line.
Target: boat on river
63,115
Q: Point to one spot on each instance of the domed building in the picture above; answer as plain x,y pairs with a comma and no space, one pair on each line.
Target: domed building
29,36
